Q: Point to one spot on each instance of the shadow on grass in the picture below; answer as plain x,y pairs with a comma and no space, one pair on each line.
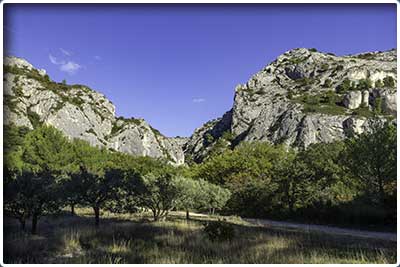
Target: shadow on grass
74,239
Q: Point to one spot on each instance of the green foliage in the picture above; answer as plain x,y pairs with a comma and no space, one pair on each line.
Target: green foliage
313,50
208,138
364,84
371,157
11,102
30,74
327,83
339,68
219,231
156,133
12,148
368,56
344,87
46,149
228,135
378,84
388,81
305,81
159,193
325,103
325,67
18,91
378,105
116,128
97,187
31,195
64,82
297,60
34,118
329,98
363,111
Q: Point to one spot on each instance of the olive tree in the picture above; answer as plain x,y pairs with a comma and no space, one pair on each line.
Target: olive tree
159,193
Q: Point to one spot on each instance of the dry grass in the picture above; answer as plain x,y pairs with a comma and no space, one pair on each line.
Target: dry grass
134,239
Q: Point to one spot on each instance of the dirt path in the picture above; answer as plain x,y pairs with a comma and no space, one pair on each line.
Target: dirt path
323,229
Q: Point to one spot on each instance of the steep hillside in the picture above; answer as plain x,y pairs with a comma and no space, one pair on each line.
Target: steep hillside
301,98
304,97
31,98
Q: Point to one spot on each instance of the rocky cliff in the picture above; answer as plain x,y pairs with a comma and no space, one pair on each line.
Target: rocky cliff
304,97
31,98
301,98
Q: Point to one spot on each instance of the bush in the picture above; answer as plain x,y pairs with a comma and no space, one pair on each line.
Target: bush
344,87
388,81
378,84
339,67
364,84
327,83
219,231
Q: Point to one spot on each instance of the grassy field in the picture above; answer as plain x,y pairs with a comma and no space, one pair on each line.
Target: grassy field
135,239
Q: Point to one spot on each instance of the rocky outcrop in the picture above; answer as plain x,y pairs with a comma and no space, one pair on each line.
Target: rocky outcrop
31,98
302,97
353,99
306,97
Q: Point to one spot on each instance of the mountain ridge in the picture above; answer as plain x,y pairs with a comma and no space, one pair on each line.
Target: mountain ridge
302,97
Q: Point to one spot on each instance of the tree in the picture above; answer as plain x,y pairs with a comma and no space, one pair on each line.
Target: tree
85,157
190,194
327,83
319,170
371,157
160,193
32,194
364,84
64,82
97,188
344,87
388,81
46,149
214,197
247,172
378,83
16,204
12,148
46,156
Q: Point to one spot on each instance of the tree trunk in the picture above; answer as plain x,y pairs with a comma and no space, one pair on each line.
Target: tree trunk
381,191
155,217
97,215
72,209
22,222
34,223
187,215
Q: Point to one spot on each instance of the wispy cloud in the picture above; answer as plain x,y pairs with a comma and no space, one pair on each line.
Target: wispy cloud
69,67
198,100
55,61
97,57
65,52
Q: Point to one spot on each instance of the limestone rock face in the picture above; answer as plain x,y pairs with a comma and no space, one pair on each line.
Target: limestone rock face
79,112
365,98
353,99
285,102
301,98
389,102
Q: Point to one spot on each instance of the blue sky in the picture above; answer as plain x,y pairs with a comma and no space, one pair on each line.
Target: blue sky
177,65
